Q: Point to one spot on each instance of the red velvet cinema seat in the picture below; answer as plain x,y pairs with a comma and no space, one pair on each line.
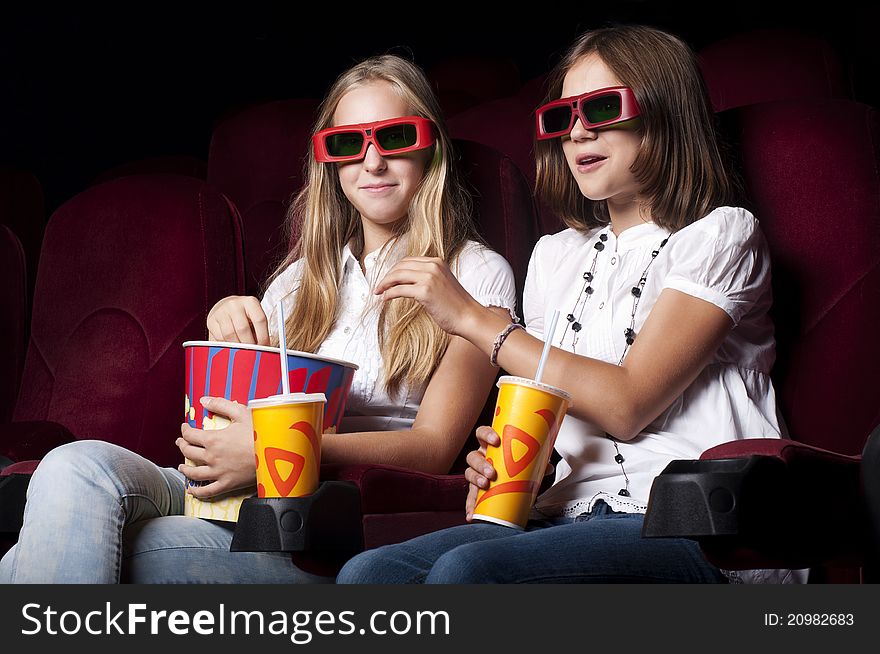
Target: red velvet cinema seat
128,272
772,64
13,308
811,168
256,159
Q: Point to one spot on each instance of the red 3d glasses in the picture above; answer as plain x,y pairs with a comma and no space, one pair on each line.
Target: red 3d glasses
599,108
389,137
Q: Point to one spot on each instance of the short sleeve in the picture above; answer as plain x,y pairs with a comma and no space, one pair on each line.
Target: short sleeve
487,277
283,286
533,293
723,259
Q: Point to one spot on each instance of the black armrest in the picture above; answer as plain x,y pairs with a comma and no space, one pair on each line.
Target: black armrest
330,519
762,511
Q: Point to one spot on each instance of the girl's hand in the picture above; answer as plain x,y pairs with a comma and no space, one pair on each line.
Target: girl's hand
238,319
480,472
225,457
430,282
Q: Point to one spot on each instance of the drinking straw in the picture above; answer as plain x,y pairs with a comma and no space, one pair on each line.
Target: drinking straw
282,345
548,336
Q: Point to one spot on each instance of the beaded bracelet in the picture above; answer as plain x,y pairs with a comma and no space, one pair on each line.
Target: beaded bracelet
499,341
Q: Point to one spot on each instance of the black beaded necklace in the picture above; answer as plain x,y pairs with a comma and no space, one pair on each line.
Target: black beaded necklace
629,333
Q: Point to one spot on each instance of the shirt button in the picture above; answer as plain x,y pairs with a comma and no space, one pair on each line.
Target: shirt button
613,260
347,330
602,305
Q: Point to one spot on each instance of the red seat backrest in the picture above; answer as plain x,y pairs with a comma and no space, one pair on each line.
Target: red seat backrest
504,209
772,64
815,186
128,272
256,159
507,125
466,81
165,165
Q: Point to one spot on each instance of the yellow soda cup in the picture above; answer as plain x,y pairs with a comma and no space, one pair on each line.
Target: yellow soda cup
287,443
527,418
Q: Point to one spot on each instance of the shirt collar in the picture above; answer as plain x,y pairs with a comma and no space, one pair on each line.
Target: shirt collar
348,257
390,255
638,236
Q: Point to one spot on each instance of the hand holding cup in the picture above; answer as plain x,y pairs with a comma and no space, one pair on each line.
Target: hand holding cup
527,419
480,472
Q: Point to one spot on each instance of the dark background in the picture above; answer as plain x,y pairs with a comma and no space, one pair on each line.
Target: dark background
83,89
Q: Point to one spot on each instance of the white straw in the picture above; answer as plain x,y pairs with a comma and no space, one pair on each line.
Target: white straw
282,344
548,336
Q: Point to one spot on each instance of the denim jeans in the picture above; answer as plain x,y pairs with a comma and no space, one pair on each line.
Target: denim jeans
602,546
98,513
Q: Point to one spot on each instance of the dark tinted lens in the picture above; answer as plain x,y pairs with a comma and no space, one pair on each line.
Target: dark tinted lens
396,137
345,144
598,110
557,119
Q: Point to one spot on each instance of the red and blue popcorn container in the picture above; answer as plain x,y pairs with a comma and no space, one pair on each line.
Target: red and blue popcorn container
240,373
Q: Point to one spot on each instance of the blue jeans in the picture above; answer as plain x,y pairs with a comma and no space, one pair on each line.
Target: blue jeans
98,513
602,546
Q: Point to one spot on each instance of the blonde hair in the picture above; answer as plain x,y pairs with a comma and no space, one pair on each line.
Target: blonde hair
439,224
680,166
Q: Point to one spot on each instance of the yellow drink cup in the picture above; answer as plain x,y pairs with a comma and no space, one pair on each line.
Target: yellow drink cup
527,418
287,443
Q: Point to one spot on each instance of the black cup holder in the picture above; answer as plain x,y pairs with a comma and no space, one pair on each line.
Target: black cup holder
328,520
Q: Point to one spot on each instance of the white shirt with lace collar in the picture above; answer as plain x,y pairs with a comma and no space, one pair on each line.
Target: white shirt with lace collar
485,274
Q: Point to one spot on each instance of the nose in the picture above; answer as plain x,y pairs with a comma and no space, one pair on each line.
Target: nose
581,133
373,161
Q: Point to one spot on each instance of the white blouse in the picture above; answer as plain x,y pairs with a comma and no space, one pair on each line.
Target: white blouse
722,259
354,337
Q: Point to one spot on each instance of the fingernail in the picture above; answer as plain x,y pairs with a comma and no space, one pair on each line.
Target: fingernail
205,400
487,471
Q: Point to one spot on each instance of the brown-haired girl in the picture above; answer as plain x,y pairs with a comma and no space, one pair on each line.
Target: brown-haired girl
664,341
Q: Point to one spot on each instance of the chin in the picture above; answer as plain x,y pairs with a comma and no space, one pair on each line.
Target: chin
593,194
383,217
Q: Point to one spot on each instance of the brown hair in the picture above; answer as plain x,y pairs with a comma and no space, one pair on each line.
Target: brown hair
439,223
679,167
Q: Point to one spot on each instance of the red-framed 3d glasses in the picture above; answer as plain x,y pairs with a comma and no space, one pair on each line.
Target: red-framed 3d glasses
598,108
389,137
